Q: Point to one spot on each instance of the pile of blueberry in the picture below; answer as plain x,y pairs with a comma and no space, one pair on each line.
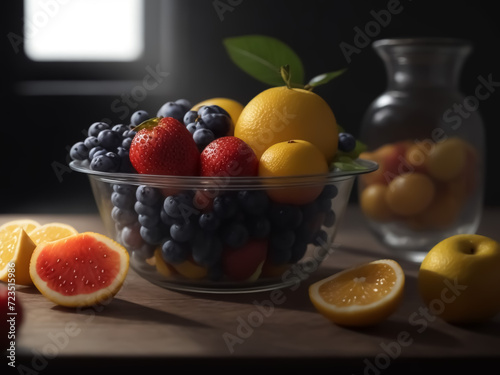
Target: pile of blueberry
197,226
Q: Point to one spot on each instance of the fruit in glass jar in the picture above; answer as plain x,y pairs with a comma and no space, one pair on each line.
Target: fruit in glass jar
410,193
446,160
374,204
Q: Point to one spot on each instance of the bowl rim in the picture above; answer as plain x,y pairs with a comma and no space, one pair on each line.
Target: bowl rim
230,182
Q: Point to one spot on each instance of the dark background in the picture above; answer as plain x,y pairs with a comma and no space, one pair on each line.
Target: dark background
46,106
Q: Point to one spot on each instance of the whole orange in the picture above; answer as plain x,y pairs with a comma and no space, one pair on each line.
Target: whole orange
280,114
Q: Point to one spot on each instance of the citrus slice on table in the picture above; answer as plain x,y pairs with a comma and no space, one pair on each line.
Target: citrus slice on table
360,296
79,270
16,248
51,232
27,224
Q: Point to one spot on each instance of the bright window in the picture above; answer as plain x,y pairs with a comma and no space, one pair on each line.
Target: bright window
84,30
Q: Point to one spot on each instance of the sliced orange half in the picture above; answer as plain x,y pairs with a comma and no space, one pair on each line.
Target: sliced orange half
360,296
16,249
51,232
79,270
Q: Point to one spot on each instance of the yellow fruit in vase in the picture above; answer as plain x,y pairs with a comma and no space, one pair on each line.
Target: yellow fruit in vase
280,114
410,193
459,278
374,204
447,159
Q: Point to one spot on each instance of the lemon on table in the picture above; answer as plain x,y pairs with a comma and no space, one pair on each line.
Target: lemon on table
459,278
360,296
79,270
293,158
279,114
51,232
27,224
16,249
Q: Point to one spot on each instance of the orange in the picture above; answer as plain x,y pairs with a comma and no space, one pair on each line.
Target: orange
79,270
374,204
162,267
447,159
231,106
51,232
191,270
293,158
410,193
16,248
279,114
363,295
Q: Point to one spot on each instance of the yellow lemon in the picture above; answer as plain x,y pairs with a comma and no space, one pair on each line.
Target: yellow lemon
459,278
363,295
279,114
293,158
16,249
51,232
27,224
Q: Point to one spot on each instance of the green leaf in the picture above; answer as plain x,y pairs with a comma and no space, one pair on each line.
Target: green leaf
345,163
325,78
148,124
261,57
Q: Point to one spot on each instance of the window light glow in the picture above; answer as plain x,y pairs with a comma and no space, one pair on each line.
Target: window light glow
83,30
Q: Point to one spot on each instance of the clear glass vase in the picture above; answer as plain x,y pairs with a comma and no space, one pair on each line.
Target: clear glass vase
428,139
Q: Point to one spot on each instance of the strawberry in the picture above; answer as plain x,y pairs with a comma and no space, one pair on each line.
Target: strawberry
228,157
164,146
245,262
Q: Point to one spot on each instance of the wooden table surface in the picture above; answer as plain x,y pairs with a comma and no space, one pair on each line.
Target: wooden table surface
148,327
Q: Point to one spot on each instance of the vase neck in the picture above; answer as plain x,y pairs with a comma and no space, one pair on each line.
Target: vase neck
422,63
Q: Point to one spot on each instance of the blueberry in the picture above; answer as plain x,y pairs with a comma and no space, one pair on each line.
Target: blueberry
218,123
91,142
235,235
121,216
172,109
206,109
125,163
191,127
286,216
329,192
108,162
298,251
282,239
125,189
329,219
320,238
258,226
149,221
144,252
153,235
174,252
126,143
225,206
186,104
131,237
98,150
207,249
168,220
182,232
96,128
347,142
120,128
142,209
139,117
148,195
180,206
202,137
190,117
79,151
254,202
109,139
209,221
129,134
125,202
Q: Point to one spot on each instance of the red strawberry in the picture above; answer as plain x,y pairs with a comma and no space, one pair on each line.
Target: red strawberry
164,146
245,262
229,157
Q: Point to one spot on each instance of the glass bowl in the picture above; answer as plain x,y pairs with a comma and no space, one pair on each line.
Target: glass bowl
223,234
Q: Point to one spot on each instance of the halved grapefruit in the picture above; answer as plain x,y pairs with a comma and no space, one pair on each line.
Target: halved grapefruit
79,270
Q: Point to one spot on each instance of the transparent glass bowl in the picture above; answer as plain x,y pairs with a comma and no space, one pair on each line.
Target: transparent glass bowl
223,234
